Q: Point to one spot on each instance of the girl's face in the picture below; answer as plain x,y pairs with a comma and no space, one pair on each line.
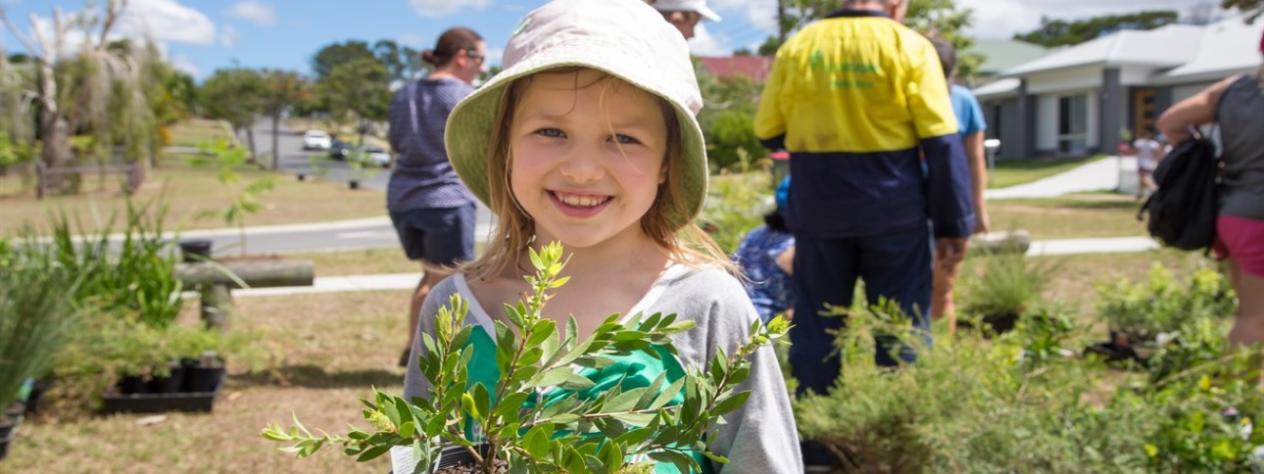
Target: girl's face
587,155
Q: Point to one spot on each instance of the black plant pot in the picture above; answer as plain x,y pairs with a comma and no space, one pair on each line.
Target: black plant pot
132,384
1001,323
9,422
453,457
202,379
172,383
353,184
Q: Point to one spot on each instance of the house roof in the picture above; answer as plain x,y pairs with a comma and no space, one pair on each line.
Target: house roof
1167,46
1227,47
754,67
998,89
1001,54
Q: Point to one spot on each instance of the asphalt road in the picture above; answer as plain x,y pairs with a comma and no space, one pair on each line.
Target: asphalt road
370,232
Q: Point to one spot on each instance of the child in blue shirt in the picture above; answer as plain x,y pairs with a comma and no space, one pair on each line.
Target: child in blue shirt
766,257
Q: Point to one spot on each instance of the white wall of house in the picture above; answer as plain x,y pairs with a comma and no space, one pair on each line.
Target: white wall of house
1065,80
1047,122
1186,91
1135,75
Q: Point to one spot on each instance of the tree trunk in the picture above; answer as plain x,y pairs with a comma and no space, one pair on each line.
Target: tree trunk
276,142
56,153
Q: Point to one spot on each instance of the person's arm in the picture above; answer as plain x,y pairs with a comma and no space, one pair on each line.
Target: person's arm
398,123
978,180
770,120
948,176
785,260
1192,112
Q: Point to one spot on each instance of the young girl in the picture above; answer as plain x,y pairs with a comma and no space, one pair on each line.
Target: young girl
588,137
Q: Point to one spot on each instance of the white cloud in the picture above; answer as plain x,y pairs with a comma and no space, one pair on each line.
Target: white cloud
760,13
441,8
228,36
165,20
704,43
254,12
185,64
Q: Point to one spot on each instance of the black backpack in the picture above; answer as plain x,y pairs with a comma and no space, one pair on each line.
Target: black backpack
1183,210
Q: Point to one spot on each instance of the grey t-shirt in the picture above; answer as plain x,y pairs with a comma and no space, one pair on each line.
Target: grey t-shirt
1241,119
761,436
423,177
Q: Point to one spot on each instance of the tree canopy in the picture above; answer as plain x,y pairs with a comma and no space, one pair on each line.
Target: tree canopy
1055,32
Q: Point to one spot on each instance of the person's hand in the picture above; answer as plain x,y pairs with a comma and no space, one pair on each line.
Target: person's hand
950,251
982,224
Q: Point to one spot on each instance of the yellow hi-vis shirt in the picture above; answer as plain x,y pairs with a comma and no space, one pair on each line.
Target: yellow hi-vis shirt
859,100
857,85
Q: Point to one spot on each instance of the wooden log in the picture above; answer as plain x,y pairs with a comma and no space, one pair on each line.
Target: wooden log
254,273
217,306
1001,242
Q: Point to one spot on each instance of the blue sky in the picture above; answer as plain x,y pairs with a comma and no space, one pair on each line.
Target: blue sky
200,36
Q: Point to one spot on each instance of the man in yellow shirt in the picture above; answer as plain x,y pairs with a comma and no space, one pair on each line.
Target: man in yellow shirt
877,169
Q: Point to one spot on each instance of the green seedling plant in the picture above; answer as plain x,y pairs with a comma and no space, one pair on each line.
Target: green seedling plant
622,431
227,159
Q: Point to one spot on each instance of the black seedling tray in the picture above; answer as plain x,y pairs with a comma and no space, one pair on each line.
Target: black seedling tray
162,402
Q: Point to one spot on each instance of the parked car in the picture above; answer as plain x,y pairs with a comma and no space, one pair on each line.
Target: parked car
339,149
316,140
377,156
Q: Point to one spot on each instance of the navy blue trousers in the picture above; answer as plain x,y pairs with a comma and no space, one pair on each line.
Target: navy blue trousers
896,266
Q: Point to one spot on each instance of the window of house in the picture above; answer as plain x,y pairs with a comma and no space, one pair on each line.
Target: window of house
1073,124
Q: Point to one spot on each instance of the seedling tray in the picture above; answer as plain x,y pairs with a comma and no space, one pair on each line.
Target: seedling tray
162,402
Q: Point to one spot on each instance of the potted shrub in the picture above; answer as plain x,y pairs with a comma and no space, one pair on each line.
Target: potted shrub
567,434
1146,315
1009,287
35,318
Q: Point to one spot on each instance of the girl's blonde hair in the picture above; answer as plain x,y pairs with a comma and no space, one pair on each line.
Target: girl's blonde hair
684,241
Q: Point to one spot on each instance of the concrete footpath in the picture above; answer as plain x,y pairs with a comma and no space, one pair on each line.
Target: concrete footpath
407,281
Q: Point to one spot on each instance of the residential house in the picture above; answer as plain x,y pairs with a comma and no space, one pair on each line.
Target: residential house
1091,97
756,68
1000,54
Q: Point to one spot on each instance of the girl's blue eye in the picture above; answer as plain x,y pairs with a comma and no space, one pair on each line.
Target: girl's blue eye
625,140
550,132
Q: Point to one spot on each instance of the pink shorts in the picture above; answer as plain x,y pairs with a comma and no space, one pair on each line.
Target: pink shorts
1242,240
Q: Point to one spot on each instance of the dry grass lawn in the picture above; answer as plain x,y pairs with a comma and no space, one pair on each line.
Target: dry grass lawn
1073,216
328,351
189,192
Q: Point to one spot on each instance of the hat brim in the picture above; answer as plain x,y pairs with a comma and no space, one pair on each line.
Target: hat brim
708,13
471,124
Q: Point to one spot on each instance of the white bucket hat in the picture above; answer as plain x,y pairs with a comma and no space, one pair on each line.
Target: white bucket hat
699,6
624,38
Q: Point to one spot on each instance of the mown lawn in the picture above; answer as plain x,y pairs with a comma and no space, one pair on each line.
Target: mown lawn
1072,216
1014,172
190,193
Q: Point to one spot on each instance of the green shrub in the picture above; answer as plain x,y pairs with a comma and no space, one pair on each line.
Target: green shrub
1159,305
35,316
735,204
1016,403
731,141
134,276
1009,287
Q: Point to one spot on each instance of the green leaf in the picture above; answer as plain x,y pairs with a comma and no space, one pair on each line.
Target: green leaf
373,453
624,401
634,419
537,440
683,463
482,400
667,395
407,429
731,403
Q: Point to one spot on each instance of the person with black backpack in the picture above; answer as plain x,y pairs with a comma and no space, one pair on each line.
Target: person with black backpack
1236,104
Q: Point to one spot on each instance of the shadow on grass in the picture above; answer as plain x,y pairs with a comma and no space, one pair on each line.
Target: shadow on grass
311,376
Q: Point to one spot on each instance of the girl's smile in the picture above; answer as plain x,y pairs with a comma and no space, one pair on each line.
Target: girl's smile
587,157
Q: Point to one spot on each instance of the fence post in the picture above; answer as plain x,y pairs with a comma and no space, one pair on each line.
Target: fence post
40,179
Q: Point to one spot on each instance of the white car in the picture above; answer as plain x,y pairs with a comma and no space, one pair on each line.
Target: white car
377,156
316,140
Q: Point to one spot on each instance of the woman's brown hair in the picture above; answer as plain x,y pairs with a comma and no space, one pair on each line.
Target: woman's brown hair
450,43
684,241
